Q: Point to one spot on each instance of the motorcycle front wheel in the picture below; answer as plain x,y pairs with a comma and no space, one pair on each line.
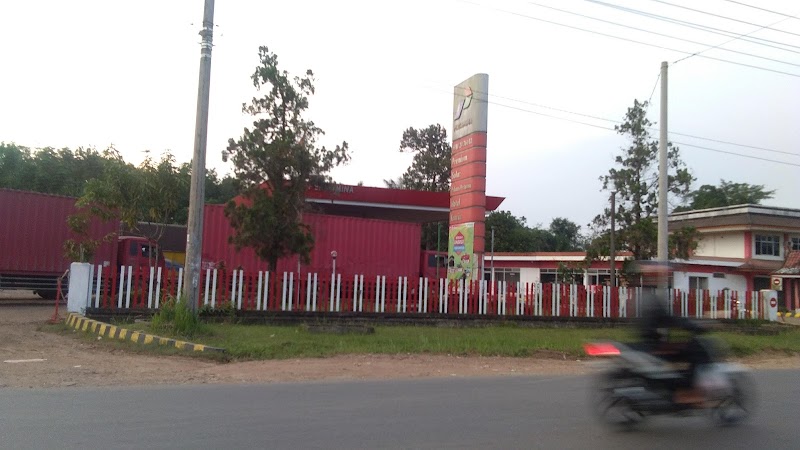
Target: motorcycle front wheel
608,406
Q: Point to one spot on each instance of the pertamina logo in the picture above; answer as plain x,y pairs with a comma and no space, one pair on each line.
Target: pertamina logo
464,103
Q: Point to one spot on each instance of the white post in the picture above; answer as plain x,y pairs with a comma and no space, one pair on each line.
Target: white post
150,288
284,287
214,288
383,293
377,292
663,176
441,297
258,290
338,292
241,285
355,294
128,294
314,294
289,300
233,288
121,286
419,296
405,294
446,295
180,284
158,288
266,290
361,294
99,282
88,303
308,292
425,297
557,299
205,291
461,296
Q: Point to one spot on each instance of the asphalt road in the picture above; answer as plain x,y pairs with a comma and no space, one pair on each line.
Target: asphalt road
451,413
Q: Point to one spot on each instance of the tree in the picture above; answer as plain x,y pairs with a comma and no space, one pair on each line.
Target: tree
727,194
275,162
566,235
429,171
636,184
512,234
430,168
130,195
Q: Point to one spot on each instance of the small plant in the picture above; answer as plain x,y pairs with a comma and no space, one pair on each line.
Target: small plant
175,317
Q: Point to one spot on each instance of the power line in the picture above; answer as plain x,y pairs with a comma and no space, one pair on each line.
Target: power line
614,121
634,41
654,88
721,16
670,36
651,128
704,28
729,41
762,9
734,143
737,154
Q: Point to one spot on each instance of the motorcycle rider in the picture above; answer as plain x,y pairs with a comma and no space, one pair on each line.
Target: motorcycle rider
654,334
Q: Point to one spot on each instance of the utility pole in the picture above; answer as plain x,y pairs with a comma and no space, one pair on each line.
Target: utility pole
612,254
663,232
194,236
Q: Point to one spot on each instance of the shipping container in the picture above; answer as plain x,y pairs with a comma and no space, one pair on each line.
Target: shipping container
33,229
366,247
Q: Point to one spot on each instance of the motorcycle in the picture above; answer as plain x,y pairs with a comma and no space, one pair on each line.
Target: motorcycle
636,384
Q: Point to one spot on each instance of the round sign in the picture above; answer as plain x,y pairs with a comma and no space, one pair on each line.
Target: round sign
773,302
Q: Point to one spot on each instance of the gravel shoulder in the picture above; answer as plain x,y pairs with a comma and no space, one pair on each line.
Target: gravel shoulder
74,360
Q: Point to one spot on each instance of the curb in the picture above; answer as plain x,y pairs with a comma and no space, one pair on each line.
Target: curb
789,314
85,324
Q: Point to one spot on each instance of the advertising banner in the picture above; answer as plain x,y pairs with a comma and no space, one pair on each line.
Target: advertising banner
460,257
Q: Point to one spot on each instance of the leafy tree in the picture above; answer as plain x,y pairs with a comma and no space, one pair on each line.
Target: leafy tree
395,184
430,168
727,193
636,184
129,195
566,235
512,234
275,162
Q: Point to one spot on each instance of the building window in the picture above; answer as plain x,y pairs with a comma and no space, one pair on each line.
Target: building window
510,276
768,245
698,283
794,244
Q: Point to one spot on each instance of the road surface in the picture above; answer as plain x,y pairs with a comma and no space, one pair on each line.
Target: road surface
503,413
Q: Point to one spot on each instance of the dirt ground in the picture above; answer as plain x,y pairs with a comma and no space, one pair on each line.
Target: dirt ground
62,361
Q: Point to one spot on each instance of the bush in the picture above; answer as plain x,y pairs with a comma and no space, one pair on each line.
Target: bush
175,317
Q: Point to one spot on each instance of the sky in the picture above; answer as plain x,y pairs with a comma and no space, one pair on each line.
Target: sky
96,73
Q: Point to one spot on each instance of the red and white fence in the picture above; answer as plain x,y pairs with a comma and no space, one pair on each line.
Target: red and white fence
145,288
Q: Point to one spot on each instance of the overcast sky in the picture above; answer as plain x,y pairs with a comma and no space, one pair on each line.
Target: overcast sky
93,72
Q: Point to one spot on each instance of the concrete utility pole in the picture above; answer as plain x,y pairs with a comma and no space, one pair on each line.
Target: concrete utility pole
662,170
194,235
663,232
612,253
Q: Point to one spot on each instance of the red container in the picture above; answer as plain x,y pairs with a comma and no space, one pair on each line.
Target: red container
366,247
33,228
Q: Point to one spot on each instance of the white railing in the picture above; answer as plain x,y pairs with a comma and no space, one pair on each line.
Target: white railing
265,291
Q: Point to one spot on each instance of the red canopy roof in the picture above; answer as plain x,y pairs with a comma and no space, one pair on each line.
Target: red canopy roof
384,203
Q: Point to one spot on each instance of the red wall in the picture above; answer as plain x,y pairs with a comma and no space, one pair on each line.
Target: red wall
366,247
33,228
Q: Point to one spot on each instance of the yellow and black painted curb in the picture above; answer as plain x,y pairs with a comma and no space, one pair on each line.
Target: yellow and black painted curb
789,314
106,330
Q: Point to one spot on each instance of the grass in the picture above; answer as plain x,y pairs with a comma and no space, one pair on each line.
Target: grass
256,342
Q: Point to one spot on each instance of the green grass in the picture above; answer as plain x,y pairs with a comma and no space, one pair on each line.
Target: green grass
280,342
247,342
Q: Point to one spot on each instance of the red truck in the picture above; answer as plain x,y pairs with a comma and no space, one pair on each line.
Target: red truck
33,229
